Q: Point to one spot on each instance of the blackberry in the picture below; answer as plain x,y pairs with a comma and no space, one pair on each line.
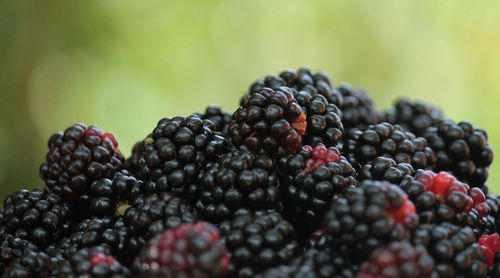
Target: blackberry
366,218
313,263
398,259
238,180
12,248
152,214
270,120
358,111
189,250
309,180
78,157
442,198
38,216
414,116
303,79
31,264
216,115
175,152
462,150
389,141
105,195
258,241
111,233
91,262
318,100
454,249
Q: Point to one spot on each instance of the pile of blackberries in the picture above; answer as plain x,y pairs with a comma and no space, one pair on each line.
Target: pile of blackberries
304,179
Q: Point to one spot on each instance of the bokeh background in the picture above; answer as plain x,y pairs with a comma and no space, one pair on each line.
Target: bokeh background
123,65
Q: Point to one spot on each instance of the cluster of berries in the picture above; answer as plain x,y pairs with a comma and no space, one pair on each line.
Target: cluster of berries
304,179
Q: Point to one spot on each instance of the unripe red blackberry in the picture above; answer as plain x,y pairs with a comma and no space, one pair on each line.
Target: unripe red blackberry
269,120
78,157
189,250
440,197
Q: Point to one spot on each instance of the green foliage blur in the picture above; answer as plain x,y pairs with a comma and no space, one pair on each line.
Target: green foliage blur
123,65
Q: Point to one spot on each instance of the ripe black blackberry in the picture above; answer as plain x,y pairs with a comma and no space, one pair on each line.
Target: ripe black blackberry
461,149
78,157
238,180
91,262
30,264
152,214
366,218
454,249
303,79
414,116
258,241
389,141
189,250
313,263
109,232
309,180
175,152
219,117
269,120
442,198
319,101
12,248
398,259
105,195
358,111
38,216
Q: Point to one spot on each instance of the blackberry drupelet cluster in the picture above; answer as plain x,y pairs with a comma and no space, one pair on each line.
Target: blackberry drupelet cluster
238,180
387,152
309,180
78,157
175,152
415,116
319,101
490,245
189,250
454,249
39,216
106,195
12,248
442,198
398,259
152,214
269,120
219,117
132,162
91,262
257,241
366,218
358,110
462,150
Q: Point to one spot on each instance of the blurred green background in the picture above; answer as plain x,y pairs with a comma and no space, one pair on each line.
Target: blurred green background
123,65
